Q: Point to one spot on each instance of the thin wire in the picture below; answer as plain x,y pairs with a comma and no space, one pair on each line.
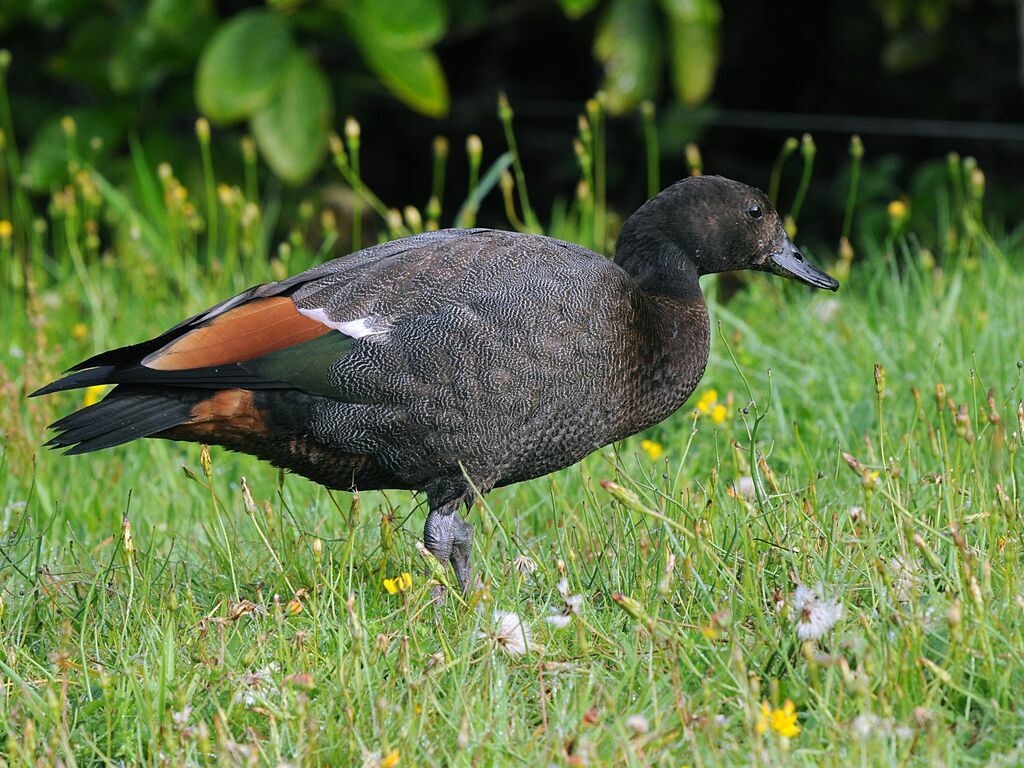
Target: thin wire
914,127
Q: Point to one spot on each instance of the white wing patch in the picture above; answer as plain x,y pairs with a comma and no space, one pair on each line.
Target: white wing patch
357,329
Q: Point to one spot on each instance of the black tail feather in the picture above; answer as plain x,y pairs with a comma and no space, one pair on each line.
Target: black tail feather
78,379
124,415
221,377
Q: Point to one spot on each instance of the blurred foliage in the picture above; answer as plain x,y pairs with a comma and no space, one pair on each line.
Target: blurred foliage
254,66
258,66
631,41
284,68
914,28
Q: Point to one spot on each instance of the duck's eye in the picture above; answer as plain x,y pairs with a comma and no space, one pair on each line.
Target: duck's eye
754,211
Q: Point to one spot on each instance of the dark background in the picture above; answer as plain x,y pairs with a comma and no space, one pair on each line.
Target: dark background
831,68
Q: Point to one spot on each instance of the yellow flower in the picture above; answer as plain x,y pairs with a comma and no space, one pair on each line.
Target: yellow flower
707,401
390,760
708,405
79,330
93,395
871,479
782,721
6,229
294,606
398,584
897,210
225,195
652,449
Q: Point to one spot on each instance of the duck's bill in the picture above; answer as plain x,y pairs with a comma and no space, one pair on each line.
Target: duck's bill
789,262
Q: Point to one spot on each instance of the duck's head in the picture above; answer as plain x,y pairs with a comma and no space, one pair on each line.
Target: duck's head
708,224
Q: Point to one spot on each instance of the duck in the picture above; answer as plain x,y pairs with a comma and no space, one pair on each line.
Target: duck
450,362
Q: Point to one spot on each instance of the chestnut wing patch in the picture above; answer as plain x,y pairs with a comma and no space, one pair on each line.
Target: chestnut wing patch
252,330
262,344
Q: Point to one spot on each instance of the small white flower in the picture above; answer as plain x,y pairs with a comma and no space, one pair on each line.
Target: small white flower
744,487
856,513
813,613
258,684
508,634
826,310
864,725
571,606
638,724
181,718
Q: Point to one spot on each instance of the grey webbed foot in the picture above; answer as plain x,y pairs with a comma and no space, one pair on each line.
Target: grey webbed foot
450,538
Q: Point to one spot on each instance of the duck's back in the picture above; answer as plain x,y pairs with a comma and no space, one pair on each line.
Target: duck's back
509,354
497,355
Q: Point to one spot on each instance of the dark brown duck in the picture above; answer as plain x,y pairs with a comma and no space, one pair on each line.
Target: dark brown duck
476,353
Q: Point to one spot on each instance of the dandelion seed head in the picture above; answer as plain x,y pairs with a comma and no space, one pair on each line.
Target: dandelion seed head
864,725
524,565
638,725
571,605
813,613
507,633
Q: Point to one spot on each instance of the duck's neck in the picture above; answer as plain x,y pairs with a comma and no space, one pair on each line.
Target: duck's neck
674,330
658,267
674,347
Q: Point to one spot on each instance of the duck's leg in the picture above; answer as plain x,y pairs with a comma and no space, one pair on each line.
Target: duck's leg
450,538
462,551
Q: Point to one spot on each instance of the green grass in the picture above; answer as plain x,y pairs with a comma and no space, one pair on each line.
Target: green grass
186,645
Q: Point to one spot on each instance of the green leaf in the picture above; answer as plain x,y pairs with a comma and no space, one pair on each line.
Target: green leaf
628,44
172,18
291,131
185,23
404,24
468,209
707,11
53,14
693,42
413,75
576,8
32,699
139,61
84,58
241,68
166,680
